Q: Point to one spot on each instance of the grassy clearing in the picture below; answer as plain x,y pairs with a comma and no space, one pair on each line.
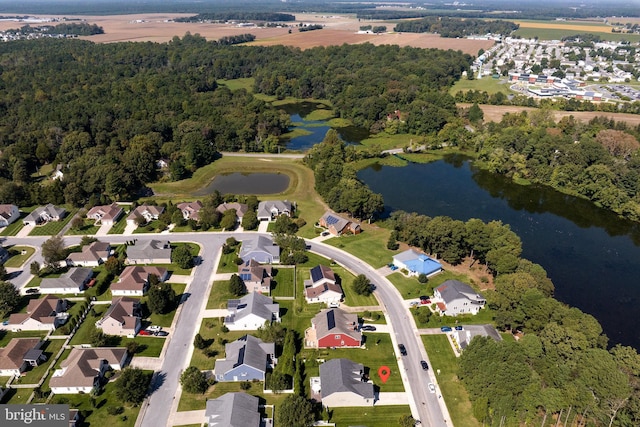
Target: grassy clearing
227,262
219,295
285,281
155,226
409,287
193,402
88,227
559,33
377,416
486,84
384,141
370,246
301,186
82,335
53,227
485,316
148,346
17,396
19,259
444,362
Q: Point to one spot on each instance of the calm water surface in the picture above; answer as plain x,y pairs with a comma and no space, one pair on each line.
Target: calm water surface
247,183
592,256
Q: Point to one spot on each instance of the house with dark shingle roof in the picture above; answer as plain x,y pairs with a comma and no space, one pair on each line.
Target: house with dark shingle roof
8,214
84,367
72,282
458,298
122,318
261,249
337,225
256,277
343,383
322,286
269,210
246,359
43,314
233,410
44,214
105,215
134,280
149,252
333,328
251,312
91,255
19,354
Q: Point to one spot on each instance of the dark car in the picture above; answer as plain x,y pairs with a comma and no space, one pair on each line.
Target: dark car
459,328
424,365
161,334
446,329
425,300
368,328
32,291
403,349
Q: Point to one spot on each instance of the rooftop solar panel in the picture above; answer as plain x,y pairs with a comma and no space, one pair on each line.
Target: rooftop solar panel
332,220
331,319
316,274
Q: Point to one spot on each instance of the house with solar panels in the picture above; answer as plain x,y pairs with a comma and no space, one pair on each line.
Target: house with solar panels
256,277
322,286
247,359
251,312
416,263
333,328
337,225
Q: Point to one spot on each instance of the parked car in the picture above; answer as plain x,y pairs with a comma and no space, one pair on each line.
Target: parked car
161,334
144,332
432,388
393,267
425,300
424,365
32,290
368,328
403,349
154,328
334,304
446,329
324,233
412,303
459,328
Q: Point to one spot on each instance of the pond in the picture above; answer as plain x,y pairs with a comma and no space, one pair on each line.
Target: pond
592,256
315,130
246,183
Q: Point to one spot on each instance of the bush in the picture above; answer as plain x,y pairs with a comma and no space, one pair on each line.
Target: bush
245,385
115,410
422,278
239,261
232,242
226,249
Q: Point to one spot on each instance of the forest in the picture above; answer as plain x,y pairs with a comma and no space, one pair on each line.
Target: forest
89,107
238,16
455,27
560,363
74,28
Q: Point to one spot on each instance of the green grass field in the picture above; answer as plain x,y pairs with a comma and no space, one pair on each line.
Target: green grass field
19,259
118,227
166,320
285,283
445,364
486,84
53,227
87,228
219,295
377,416
34,375
227,262
370,246
211,331
13,228
6,336
558,34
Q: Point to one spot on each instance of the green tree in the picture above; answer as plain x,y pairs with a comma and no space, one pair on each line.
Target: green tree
34,268
9,298
284,225
236,285
406,421
132,385
181,256
250,220
199,342
361,285
113,265
193,381
229,219
53,251
295,411
475,113
161,298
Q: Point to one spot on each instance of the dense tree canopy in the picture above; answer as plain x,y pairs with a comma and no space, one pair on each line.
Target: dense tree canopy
132,385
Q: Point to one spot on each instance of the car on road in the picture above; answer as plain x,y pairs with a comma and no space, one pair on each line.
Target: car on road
161,334
446,329
424,365
144,332
459,328
432,388
403,349
367,328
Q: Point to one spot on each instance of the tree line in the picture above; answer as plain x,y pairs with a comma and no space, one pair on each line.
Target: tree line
456,27
73,28
238,16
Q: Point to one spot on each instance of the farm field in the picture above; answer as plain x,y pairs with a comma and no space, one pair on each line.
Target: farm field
556,30
494,113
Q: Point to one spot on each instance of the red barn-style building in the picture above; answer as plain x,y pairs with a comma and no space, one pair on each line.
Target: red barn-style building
333,328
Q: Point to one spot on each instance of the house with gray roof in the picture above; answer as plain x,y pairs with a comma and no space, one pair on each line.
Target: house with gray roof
260,248
333,328
91,255
464,336
233,410
8,214
246,359
251,312
149,252
343,383
72,282
105,215
190,210
269,210
458,298
44,214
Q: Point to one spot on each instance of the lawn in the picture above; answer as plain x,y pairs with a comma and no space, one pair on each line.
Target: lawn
118,227
485,84
370,246
74,311
148,346
235,84
82,335
485,316
301,186
559,33
6,336
15,227
211,331
193,402
219,295
23,254
155,226
98,415
409,287
445,364
166,320
88,228
53,227
297,314
17,396
34,375
377,416
227,262
284,282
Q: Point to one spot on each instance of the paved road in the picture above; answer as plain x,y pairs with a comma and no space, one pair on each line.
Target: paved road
425,406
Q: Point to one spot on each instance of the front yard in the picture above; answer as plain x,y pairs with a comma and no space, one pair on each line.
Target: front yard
53,227
22,254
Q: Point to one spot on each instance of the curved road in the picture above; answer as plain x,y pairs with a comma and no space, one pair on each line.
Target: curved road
425,406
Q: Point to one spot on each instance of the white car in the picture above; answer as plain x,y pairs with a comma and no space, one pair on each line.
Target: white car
154,328
432,388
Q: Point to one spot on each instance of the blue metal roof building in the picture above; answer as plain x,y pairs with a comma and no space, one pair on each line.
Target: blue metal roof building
416,263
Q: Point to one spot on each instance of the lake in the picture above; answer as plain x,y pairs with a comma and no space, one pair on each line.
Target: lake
315,130
246,183
592,256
